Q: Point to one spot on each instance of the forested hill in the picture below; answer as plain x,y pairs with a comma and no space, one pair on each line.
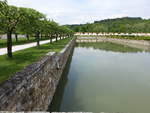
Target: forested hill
125,20
125,24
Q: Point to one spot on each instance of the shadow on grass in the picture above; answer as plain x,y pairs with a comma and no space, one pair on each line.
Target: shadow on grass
23,58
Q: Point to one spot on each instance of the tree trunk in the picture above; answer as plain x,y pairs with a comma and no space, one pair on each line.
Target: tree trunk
56,37
9,44
16,36
38,38
51,38
97,37
41,36
60,37
27,36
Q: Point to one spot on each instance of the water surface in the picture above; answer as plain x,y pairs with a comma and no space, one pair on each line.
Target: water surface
105,77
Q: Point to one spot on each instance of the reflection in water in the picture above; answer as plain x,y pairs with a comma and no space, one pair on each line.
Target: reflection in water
57,99
110,47
105,77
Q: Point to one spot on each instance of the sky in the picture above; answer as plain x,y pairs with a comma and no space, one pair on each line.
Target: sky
87,11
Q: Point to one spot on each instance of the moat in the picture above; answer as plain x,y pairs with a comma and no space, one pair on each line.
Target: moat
105,77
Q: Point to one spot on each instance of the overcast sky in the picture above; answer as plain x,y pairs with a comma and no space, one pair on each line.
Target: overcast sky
83,11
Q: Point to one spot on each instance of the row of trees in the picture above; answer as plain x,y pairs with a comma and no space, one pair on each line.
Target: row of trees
18,20
118,25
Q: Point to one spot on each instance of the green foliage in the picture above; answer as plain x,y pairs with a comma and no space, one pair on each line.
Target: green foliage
31,21
27,21
97,28
3,7
119,25
10,16
131,37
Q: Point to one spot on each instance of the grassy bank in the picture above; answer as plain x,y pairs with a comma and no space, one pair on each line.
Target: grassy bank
123,37
3,42
131,37
23,58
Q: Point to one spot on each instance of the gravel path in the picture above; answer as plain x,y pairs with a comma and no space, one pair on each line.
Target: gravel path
3,51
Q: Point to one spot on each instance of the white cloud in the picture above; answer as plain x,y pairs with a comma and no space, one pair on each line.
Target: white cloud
83,11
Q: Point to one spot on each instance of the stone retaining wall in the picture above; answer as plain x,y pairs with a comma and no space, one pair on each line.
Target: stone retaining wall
33,88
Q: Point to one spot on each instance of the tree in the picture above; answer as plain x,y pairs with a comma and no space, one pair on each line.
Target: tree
32,22
26,24
99,28
52,29
56,31
10,16
27,21
47,27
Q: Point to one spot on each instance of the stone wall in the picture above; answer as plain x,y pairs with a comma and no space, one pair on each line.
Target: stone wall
33,88
140,44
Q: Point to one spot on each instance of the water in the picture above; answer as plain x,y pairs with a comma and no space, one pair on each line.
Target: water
105,77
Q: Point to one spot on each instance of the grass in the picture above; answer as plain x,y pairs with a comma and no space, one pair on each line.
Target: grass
131,37
3,42
23,58
123,37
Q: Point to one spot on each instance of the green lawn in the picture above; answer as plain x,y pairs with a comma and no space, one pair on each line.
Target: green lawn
3,42
23,58
131,37
123,37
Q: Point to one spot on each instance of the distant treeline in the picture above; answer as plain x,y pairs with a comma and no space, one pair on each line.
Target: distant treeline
118,25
